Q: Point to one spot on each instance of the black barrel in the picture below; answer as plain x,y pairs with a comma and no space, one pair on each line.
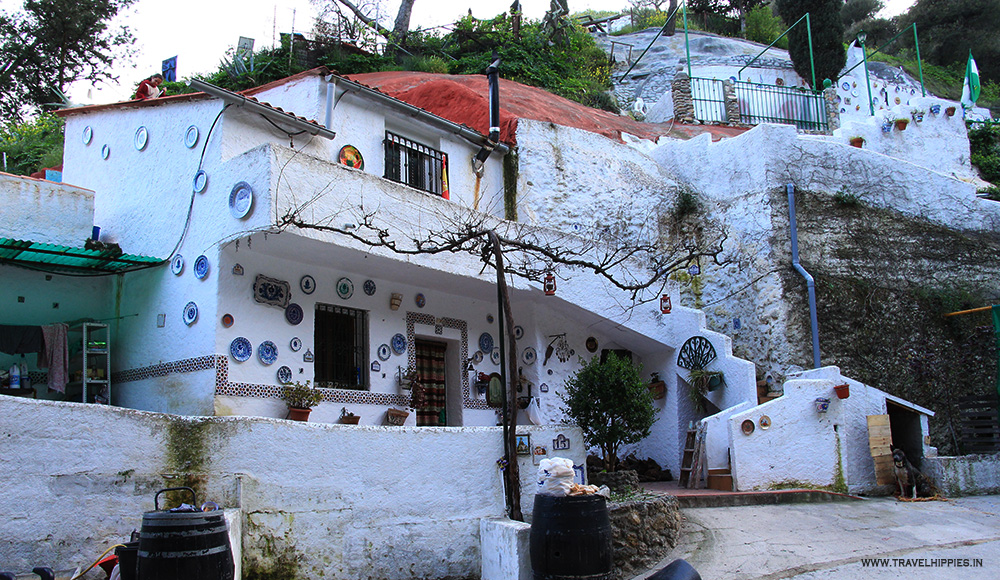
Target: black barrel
184,545
571,538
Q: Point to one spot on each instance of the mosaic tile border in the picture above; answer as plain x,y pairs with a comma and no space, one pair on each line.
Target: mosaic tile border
187,365
414,318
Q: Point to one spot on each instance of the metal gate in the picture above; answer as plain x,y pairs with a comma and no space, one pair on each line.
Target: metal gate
709,100
804,108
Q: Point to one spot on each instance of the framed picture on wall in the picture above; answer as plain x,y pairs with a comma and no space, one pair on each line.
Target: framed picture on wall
523,444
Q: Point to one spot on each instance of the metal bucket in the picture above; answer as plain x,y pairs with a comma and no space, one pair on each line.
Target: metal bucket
190,545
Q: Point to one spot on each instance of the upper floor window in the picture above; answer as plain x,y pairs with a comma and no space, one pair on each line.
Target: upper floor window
416,165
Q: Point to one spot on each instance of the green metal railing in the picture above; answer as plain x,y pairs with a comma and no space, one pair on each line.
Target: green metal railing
916,44
709,100
804,108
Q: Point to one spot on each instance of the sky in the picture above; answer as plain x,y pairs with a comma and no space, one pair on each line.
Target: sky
199,32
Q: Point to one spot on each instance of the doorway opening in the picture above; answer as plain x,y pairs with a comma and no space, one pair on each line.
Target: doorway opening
906,434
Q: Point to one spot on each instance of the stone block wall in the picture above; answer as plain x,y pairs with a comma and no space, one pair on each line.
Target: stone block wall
683,99
644,531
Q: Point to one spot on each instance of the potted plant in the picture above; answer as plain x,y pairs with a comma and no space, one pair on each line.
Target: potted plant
918,115
348,418
950,111
301,398
657,388
407,378
705,381
396,417
901,123
857,141
843,391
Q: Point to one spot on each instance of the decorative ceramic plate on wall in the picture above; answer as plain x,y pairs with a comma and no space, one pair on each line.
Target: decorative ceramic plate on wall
518,333
267,352
369,287
295,344
177,265
478,357
141,138
529,355
190,313
383,352
227,320
351,157
307,284
88,135
420,300
485,342
765,422
191,137
284,375
200,181
105,152
293,313
398,343
747,426
240,200
201,267
345,288
241,349
495,356
591,344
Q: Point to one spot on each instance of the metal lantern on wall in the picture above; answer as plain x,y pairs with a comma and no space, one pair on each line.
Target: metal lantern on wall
550,284
665,304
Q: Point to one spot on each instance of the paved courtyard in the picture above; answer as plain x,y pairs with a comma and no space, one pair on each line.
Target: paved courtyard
878,538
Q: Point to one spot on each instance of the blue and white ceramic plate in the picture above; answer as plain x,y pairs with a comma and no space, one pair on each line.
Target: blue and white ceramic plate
190,313
383,352
240,200
200,181
177,265
284,375
345,288
529,355
141,138
241,349
369,287
421,300
495,356
88,135
398,343
293,313
846,86
478,357
267,352
485,342
307,284
191,137
295,344
105,152
201,267
518,333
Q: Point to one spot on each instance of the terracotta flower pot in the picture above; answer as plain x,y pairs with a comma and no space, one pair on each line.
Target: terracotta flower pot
350,419
950,111
901,124
857,142
843,391
296,414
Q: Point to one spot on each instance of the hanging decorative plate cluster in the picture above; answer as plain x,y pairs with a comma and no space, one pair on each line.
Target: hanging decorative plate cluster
383,352
345,288
241,200
241,349
177,265
307,284
201,267
190,313
295,344
293,314
398,343
485,342
284,375
369,287
200,181
141,138
351,157
267,352
529,355
191,137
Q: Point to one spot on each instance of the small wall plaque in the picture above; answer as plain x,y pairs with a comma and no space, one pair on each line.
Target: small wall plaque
308,356
376,367
560,443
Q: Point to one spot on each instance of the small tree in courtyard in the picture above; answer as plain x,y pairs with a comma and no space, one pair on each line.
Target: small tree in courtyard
611,404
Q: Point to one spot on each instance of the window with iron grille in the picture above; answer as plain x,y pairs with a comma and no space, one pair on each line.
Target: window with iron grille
416,165
341,342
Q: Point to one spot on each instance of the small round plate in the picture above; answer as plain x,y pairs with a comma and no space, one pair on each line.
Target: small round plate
518,333
383,352
201,267
105,152
420,300
351,157
495,356
398,343
284,375
307,284
765,422
191,137
529,355
295,344
485,342
200,181
591,344
747,426
241,349
88,135
177,264
846,86
190,313
293,313
345,288
369,287
227,320
141,138
478,357
241,200
267,352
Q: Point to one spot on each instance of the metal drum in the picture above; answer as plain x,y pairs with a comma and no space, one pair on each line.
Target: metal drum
184,545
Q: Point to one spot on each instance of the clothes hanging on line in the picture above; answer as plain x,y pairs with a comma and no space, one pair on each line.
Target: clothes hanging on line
20,339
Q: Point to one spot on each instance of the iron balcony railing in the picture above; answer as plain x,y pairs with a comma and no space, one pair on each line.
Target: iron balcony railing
804,108
416,165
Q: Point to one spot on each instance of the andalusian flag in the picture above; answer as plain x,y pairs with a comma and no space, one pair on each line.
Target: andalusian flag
970,89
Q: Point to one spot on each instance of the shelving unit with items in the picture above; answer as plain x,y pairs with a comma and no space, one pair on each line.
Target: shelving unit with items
90,366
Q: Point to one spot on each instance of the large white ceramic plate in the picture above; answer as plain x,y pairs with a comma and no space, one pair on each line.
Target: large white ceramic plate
241,200
191,137
141,138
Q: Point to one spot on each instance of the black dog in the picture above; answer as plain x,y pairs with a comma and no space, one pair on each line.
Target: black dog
911,482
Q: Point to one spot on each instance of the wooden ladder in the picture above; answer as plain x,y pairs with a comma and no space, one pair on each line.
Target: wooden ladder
694,443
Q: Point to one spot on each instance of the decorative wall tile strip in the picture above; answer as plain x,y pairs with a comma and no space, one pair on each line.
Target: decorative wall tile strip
187,365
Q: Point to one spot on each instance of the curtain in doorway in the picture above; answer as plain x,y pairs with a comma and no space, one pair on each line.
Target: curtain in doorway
430,374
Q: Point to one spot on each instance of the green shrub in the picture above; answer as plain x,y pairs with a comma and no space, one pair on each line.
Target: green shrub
32,146
764,27
984,147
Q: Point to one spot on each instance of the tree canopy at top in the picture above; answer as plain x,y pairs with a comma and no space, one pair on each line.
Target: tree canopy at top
50,43
829,55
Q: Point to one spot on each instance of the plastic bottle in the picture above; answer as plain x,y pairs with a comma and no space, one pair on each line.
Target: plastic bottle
25,378
15,376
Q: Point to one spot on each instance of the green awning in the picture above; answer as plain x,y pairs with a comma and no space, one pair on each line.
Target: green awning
52,258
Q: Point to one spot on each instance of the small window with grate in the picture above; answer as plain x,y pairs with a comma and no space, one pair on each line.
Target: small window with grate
341,342
416,165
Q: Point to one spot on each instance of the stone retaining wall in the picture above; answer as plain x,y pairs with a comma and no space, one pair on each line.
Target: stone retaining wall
645,530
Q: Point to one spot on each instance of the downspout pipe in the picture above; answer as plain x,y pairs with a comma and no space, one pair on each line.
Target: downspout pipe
493,81
810,282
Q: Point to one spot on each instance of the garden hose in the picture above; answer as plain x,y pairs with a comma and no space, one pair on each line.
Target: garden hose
99,558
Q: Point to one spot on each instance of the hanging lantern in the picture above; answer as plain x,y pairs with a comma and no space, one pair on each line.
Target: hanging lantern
550,284
665,304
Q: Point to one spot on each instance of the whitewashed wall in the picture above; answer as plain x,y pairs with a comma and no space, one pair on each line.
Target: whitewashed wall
342,501
42,211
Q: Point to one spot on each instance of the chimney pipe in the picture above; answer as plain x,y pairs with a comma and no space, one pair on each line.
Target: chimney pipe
493,80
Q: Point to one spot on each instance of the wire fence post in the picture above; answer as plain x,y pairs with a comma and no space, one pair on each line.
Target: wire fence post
687,46
812,64
920,66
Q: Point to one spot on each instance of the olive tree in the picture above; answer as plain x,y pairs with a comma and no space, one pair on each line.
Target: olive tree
610,402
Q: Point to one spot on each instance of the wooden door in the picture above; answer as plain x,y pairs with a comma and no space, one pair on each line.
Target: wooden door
880,445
